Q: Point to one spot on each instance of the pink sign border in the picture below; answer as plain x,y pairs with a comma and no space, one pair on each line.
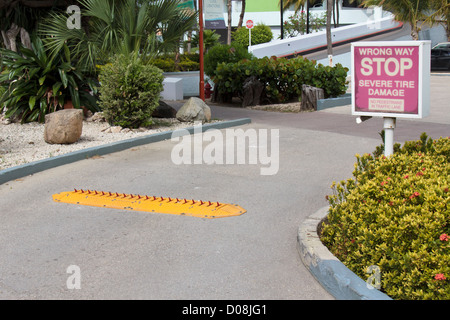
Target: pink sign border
424,49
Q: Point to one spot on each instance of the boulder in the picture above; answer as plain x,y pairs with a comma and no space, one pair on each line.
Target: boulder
163,110
194,109
64,126
252,89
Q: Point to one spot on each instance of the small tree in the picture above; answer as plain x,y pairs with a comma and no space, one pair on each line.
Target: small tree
130,90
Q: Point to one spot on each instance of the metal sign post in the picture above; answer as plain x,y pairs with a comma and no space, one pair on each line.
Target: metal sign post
249,25
390,79
201,54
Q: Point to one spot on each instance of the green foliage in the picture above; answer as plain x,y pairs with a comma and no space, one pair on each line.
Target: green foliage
260,34
395,214
167,63
210,39
296,24
223,53
130,91
282,78
117,27
35,84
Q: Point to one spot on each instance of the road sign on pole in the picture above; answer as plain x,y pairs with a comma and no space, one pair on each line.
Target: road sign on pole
249,25
390,79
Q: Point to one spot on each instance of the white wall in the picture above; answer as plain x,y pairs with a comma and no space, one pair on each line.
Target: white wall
310,41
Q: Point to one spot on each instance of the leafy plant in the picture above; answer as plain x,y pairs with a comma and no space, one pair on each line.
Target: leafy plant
35,84
130,90
282,78
260,34
296,24
147,27
184,62
223,53
395,214
210,39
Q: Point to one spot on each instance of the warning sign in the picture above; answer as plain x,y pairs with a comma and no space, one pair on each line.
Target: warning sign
390,78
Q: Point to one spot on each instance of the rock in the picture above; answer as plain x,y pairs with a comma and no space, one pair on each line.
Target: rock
252,89
64,126
116,129
164,111
194,109
98,117
310,95
4,119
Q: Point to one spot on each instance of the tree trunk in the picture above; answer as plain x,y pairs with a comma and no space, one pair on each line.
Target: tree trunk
5,40
328,31
25,38
310,95
189,46
229,23
414,31
11,35
241,16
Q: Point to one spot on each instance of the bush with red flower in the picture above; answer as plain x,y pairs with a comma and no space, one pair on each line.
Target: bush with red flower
395,214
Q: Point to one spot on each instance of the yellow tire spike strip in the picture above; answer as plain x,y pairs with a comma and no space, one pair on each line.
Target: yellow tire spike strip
194,208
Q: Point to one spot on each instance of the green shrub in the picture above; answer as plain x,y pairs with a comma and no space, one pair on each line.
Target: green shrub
210,39
165,64
260,34
130,91
296,24
35,84
395,214
187,62
282,78
224,54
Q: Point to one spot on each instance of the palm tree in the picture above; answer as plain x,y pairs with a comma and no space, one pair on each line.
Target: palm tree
441,14
119,27
410,11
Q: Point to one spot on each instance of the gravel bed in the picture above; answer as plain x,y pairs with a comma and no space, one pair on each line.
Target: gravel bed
24,143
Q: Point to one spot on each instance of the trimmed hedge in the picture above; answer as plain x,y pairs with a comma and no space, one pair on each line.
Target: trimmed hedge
282,78
395,214
187,62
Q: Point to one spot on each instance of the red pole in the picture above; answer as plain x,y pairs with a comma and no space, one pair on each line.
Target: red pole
202,79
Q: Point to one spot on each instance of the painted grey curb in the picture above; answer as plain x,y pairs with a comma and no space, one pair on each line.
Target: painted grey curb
41,165
332,274
342,100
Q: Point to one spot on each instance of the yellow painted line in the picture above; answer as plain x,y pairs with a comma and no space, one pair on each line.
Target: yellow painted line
194,208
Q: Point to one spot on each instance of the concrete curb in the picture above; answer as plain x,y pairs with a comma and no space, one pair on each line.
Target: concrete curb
342,100
41,165
332,274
